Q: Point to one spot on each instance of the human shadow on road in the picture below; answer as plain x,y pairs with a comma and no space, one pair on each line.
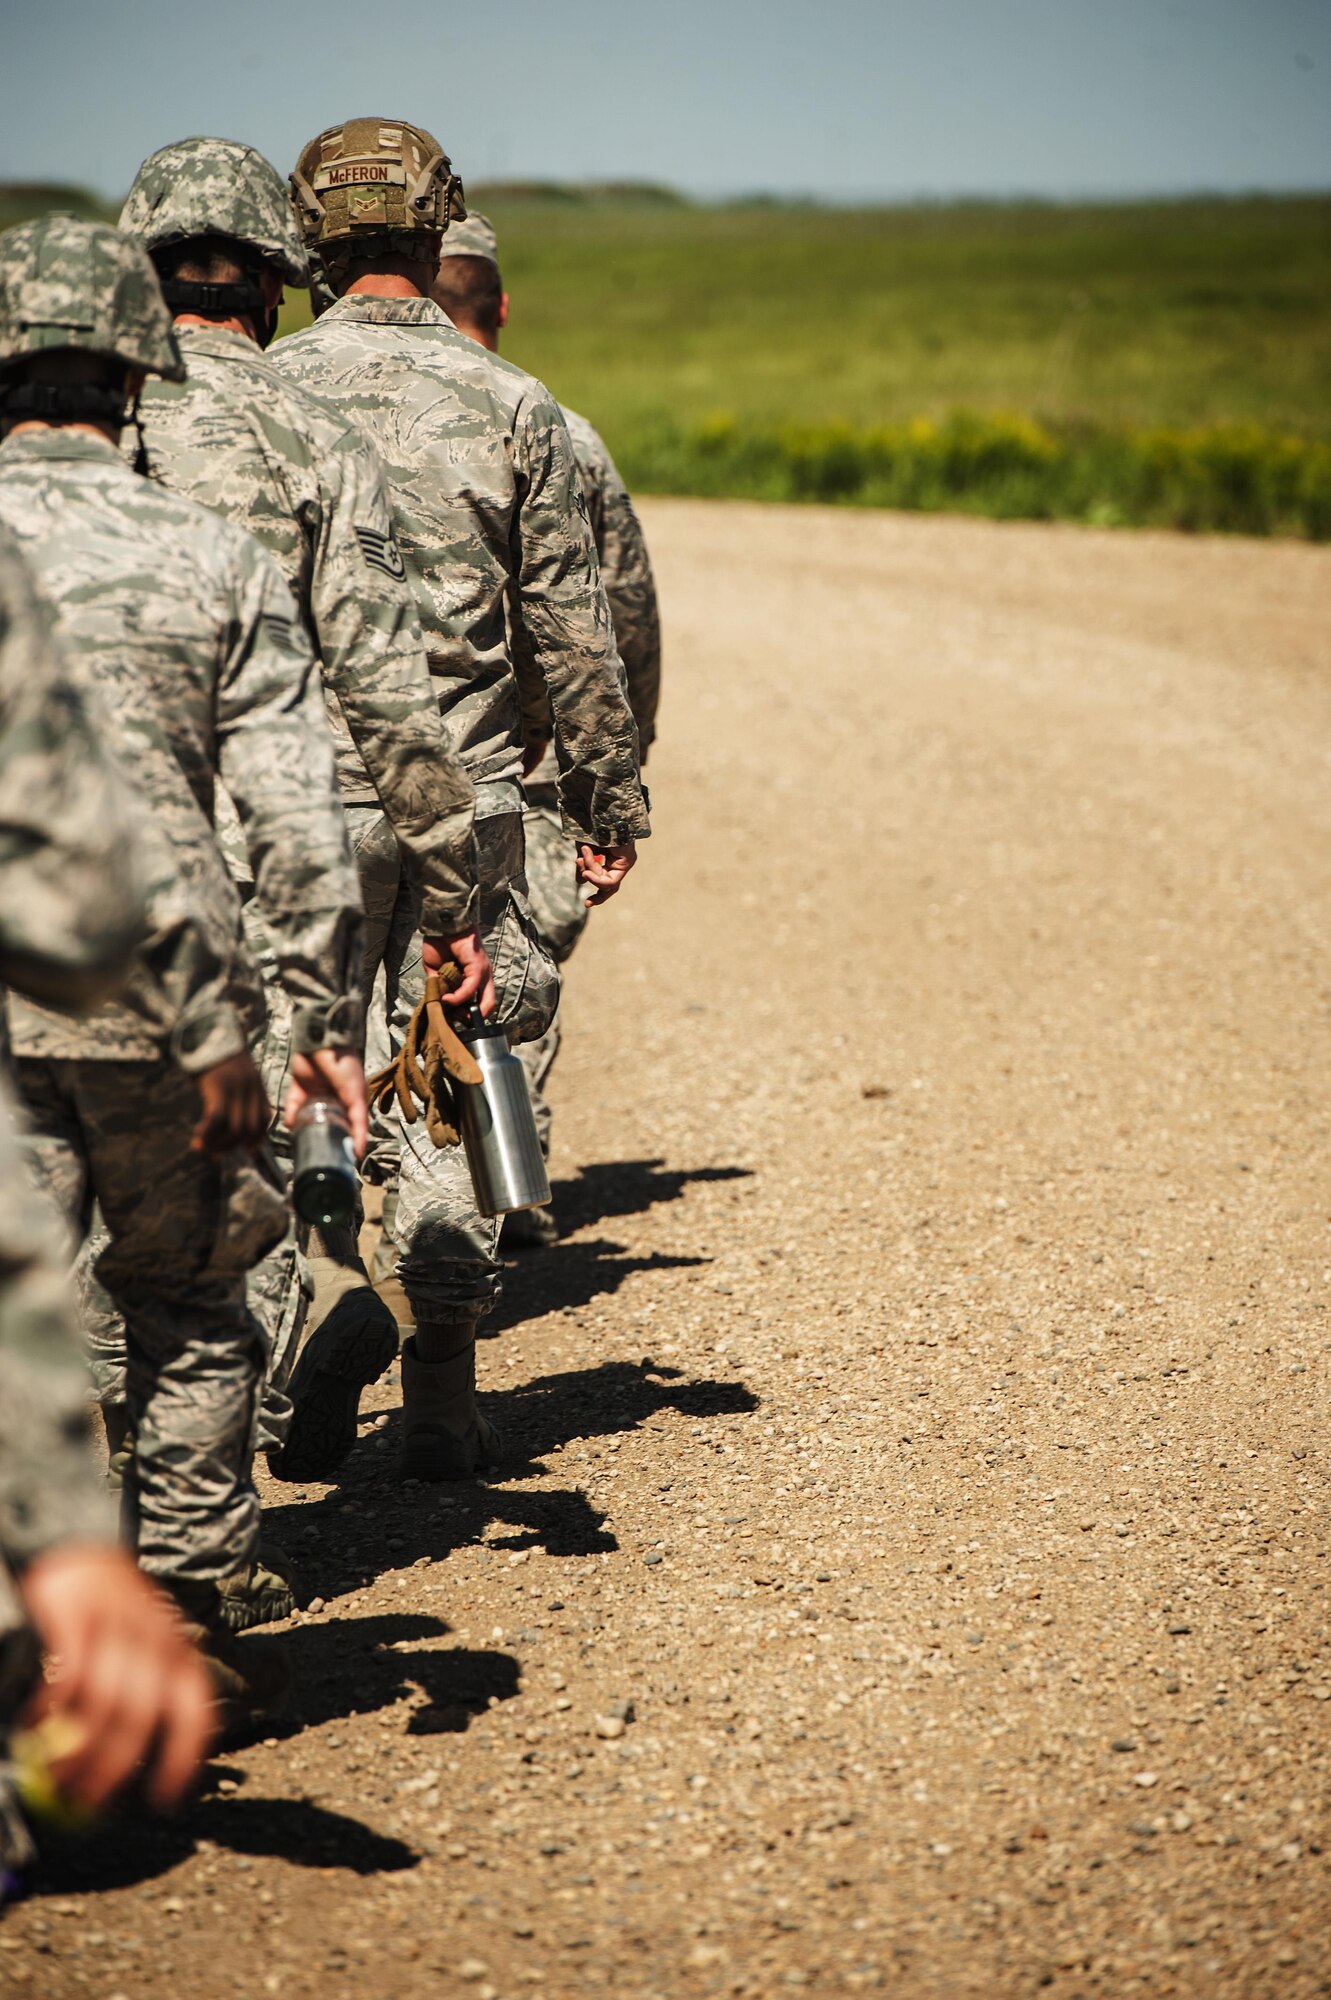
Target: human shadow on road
608,1188
127,1851
570,1275
605,1401
373,1522
357,1666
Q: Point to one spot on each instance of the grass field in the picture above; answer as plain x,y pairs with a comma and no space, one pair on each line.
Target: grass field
1164,362
1178,314
1160,363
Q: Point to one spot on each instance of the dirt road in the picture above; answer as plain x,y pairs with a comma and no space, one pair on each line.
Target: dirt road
922,1422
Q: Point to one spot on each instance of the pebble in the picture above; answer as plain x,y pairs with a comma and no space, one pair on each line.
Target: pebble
864,1242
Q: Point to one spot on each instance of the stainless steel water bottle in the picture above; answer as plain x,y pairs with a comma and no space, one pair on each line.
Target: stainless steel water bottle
498,1128
323,1180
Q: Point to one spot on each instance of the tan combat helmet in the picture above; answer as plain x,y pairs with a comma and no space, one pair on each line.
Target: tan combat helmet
375,187
66,284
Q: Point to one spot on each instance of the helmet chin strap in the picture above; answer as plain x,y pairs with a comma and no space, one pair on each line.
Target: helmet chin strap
63,403
236,301
142,464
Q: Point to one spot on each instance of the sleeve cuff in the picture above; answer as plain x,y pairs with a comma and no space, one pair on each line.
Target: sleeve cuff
207,1035
443,918
334,1024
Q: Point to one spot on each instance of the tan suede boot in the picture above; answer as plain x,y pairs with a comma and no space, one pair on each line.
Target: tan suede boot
444,1435
258,1595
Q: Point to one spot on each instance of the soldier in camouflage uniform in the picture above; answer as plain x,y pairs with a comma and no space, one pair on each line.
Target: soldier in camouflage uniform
470,290
486,502
190,633
260,448
73,906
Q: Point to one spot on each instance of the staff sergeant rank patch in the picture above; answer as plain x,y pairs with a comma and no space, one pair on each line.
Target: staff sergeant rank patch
381,552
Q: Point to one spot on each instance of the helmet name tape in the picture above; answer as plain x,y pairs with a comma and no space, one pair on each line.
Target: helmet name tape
378,172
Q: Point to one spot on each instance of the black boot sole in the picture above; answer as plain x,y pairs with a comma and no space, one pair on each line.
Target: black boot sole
325,1391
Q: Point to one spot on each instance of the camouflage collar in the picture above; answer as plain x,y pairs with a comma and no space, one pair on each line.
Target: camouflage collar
62,444
217,338
386,312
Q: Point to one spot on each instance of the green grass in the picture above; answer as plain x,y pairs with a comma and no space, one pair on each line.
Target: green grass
23,201
1234,479
1166,362
1177,314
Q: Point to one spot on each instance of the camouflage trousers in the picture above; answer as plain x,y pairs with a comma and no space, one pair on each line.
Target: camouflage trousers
279,1288
183,1231
50,1488
561,914
447,1250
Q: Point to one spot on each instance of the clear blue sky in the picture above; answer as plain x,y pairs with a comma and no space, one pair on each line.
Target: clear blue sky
847,98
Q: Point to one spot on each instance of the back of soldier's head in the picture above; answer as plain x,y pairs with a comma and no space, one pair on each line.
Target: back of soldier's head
215,217
468,284
373,191
81,315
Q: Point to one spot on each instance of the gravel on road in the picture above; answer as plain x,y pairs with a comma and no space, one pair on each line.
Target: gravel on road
913,1571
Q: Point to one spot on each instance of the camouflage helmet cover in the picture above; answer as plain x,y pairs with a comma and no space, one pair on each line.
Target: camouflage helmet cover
71,284
375,184
216,187
473,237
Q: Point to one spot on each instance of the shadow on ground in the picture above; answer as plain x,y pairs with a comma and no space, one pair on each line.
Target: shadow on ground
126,1852
570,1275
606,1401
372,1522
341,1667
608,1188
357,1666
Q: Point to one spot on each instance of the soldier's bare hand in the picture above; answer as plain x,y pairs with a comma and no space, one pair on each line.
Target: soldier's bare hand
338,1074
476,986
605,870
533,753
236,1111
122,1671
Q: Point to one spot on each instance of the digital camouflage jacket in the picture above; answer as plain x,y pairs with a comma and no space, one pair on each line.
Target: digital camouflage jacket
72,910
190,637
250,443
485,492
626,572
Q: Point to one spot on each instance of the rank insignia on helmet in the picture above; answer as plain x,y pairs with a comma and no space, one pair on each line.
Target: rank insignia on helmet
374,187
